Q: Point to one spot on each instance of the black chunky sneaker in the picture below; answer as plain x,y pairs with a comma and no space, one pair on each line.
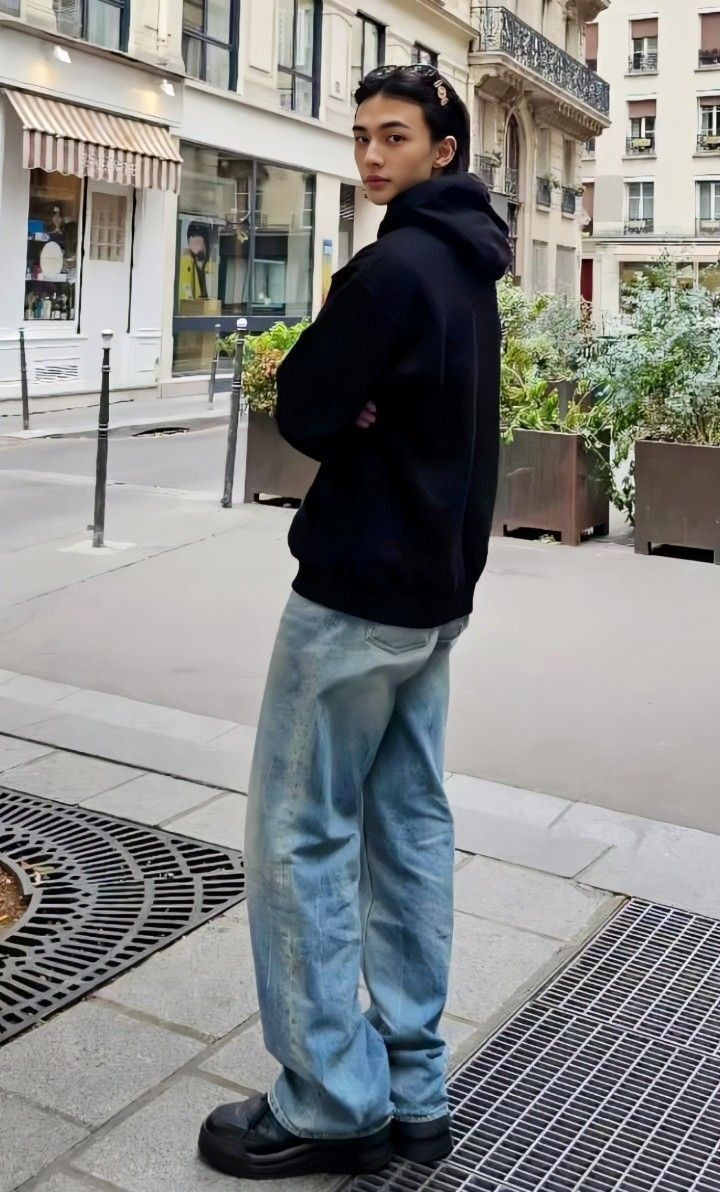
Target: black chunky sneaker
244,1138
422,1142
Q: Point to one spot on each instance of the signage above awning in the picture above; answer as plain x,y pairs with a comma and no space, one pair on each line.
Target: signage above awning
70,139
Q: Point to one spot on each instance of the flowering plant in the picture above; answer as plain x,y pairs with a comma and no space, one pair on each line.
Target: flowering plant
263,355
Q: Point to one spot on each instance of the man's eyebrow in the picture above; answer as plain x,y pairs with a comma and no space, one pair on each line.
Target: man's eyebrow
387,124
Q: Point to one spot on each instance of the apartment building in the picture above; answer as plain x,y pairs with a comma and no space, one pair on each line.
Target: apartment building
538,100
653,180
170,165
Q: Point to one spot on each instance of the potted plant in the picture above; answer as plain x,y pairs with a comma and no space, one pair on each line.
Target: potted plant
554,452
663,376
273,466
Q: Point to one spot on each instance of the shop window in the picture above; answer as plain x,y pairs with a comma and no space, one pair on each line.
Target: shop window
346,230
421,54
244,247
108,227
368,48
299,43
210,41
102,22
52,246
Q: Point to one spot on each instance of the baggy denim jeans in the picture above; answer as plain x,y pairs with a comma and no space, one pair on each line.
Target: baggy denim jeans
349,856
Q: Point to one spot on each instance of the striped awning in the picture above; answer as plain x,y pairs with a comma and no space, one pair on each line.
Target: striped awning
71,139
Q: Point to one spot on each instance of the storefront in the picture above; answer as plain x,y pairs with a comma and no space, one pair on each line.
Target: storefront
85,200
245,236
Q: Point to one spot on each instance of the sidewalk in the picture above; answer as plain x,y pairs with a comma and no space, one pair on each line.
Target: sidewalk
110,1093
127,416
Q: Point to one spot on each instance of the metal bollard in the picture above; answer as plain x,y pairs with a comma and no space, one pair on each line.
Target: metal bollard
213,366
235,399
24,383
102,447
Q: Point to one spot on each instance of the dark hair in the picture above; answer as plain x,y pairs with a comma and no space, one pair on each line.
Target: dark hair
420,87
198,229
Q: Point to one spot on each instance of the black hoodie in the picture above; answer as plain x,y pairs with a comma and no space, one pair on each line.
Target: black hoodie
395,527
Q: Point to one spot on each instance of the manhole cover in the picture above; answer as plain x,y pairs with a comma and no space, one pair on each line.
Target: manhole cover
161,430
105,894
608,1081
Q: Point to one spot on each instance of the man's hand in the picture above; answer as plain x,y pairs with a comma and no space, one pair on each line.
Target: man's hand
368,416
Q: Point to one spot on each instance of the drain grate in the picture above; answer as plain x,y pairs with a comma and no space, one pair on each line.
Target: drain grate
608,1081
106,894
652,969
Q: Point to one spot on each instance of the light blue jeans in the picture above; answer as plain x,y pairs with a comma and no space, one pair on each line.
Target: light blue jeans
349,855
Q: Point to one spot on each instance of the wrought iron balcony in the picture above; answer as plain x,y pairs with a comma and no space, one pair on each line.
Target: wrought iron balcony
640,227
643,64
635,146
485,167
708,228
544,192
709,58
568,203
708,142
502,32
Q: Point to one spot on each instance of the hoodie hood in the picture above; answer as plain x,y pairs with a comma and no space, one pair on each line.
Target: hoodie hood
456,208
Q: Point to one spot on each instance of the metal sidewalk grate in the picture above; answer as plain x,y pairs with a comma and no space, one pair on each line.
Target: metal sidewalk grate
653,970
608,1081
106,894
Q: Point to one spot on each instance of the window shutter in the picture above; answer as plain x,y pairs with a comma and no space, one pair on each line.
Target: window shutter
642,107
710,31
588,199
591,43
647,28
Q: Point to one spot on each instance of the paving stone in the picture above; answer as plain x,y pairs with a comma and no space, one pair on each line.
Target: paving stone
245,1060
461,1038
528,899
16,714
508,802
550,850
240,738
601,823
130,713
206,980
91,1061
30,1138
6,675
155,1150
67,777
151,798
36,691
220,822
133,746
62,1182
665,863
15,753
495,967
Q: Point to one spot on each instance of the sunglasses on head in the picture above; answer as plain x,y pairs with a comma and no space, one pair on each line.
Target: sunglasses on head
424,69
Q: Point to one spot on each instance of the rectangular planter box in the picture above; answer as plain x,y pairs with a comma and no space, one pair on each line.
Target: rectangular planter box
547,482
677,496
273,466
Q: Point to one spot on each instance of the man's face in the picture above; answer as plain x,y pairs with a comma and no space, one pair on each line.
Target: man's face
394,149
196,245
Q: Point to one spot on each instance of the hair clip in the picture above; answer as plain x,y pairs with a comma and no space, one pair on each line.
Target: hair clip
442,92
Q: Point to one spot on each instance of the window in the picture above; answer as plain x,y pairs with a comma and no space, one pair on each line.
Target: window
210,33
244,247
708,208
368,48
588,205
540,267
709,125
52,246
103,22
709,54
641,121
299,29
108,227
347,224
644,53
566,279
641,202
12,7
423,54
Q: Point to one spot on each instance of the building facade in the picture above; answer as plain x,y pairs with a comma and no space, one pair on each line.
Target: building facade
653,180
171,165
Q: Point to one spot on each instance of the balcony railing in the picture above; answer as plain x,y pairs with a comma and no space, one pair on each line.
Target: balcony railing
511,183
643,64
709,58
568,203
501,31
544,192
708,142
639,227
639,145
708,227
485,167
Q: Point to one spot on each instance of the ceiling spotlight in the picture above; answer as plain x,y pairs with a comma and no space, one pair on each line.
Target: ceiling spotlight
167,87
61,54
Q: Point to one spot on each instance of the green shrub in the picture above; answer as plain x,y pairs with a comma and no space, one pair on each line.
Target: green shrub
263,355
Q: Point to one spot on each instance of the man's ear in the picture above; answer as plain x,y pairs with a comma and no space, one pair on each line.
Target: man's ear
446,152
